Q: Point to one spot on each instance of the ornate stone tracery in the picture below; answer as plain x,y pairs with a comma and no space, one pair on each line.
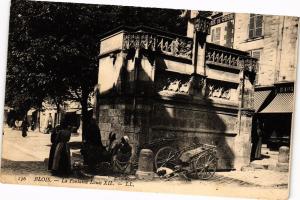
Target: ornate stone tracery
178,47
229,59
221,91
202,25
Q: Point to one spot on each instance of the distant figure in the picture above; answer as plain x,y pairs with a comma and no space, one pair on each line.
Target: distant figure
93,147
49,123
12,123
32,125
18,124
257,140
24,127
61,165
54,134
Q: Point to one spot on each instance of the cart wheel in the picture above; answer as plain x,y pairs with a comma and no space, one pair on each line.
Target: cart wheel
205,166
165,157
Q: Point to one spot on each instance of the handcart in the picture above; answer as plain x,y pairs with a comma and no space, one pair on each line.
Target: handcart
197,161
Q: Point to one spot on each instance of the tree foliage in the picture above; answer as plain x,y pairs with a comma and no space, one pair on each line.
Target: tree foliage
53,47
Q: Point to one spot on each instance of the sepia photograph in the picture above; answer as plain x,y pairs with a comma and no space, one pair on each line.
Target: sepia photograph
142,99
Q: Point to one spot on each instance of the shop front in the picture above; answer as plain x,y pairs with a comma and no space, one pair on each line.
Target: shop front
274,114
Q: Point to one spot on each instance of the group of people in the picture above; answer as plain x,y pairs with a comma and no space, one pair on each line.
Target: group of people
25,125
93,150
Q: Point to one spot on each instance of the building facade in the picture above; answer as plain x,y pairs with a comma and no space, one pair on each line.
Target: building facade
273,41
154,84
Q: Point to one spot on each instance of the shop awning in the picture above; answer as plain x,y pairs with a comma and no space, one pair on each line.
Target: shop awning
259,98
282,103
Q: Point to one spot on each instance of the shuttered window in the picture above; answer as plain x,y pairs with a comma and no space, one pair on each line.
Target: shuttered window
255,26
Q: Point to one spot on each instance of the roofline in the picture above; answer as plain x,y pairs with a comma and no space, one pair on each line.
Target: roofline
220,47
139,28
264,87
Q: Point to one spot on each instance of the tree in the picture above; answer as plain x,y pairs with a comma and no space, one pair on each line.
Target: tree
53,48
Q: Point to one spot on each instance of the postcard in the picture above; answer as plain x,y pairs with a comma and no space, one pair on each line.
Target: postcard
149,99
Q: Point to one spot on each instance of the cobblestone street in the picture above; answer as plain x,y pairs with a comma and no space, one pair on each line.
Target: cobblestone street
25,157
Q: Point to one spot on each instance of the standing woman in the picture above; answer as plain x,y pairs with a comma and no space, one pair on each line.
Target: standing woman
259,132
53,145
62,160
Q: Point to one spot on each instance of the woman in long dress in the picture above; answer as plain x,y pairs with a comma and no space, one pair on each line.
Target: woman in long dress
61,165
259,133
53,145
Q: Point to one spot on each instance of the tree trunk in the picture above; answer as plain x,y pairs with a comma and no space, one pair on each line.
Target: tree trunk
84,113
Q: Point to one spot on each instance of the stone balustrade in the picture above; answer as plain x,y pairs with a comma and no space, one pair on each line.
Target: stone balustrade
179,47
230,58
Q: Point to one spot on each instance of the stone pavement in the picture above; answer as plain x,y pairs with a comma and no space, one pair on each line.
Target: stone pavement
26,156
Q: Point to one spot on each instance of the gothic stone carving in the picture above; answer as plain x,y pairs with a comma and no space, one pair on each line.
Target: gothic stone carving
224,58
178,47
230,59
202,25
180,85
218,91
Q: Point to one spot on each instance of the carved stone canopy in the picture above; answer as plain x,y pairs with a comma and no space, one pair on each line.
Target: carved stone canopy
202,25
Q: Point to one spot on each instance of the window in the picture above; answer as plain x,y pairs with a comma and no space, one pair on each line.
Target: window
255,26
256,54
216,35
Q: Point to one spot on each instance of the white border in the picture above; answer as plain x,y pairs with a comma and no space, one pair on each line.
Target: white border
276,7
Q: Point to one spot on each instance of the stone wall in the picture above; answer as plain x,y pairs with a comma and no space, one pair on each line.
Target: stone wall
187,122
124,119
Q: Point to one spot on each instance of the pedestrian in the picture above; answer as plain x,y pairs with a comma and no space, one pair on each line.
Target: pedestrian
61,165
257,140
49,123
24,126
32,124
53,137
